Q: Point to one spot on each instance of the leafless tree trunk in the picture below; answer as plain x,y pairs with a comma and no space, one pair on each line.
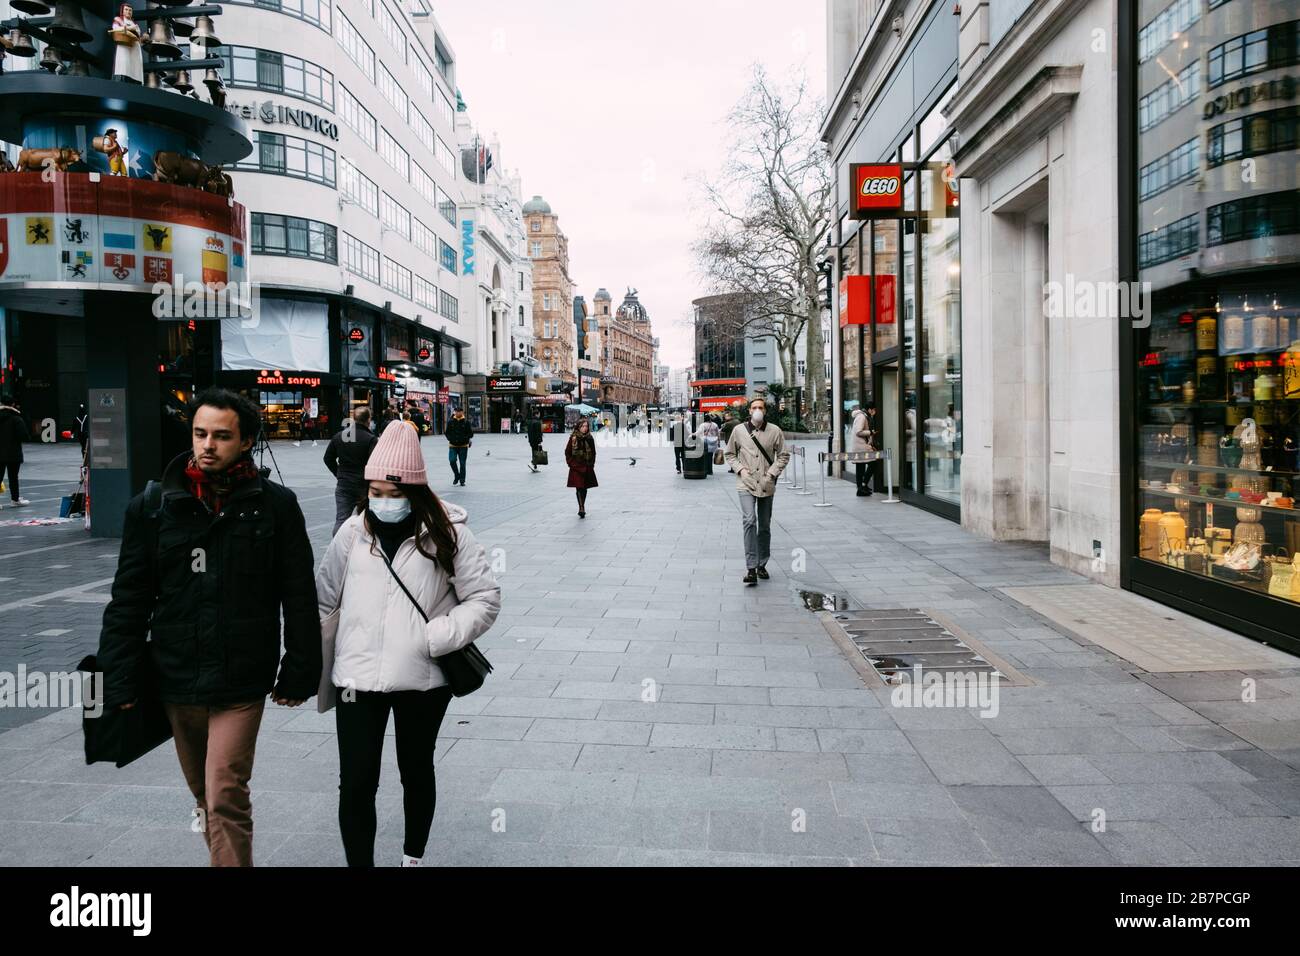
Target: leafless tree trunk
769,209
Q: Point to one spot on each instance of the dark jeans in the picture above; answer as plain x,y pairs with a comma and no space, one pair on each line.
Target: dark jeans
679,453
346,495
12,467
866,475
456,457
361,723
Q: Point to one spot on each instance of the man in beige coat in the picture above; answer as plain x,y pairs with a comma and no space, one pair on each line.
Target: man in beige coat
757,454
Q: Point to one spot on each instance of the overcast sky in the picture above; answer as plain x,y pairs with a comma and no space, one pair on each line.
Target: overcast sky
609,109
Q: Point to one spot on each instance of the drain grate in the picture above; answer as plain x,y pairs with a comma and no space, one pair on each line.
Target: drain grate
895,640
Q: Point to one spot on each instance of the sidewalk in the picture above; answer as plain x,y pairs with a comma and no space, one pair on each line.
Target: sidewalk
758,721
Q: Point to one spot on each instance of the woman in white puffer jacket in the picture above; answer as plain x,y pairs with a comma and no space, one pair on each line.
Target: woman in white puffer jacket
385,655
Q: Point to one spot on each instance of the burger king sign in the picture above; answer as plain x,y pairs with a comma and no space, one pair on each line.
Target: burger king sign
877,190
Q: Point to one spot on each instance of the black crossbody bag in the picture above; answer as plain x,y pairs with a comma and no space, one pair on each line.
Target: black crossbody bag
759,445
465,669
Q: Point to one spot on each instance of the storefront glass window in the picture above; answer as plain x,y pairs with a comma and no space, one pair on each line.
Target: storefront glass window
885,240
940,267
1218,368
911,413
850,335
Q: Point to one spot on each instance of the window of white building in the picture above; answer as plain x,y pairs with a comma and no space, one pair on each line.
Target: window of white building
355,47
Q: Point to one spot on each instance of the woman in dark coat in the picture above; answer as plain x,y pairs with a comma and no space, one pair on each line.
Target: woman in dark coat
580,455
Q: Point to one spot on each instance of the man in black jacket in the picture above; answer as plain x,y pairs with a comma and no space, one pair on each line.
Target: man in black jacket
346,457
210,557
534,438
13,432
459,437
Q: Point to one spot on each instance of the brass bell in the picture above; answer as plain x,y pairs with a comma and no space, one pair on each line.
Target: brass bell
22,44
162,42
204,33
77,68
183,28
69,23
50,59
34,8
153,80
181,83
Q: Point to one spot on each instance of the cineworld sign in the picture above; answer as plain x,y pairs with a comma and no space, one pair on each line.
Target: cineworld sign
273,114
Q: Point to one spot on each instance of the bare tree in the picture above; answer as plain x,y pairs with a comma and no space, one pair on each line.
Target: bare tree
769,208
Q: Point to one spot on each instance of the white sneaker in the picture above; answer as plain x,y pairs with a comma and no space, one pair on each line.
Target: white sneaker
410,860
21,501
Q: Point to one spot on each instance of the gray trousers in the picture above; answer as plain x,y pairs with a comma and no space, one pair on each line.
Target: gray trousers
756,518
346,495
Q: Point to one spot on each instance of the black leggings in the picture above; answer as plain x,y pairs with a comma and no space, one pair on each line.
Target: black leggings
582,499
12,467
361,724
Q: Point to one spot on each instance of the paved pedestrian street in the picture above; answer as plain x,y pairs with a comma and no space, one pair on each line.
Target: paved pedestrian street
647,708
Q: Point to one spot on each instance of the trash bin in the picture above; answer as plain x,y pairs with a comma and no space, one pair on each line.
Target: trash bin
695,463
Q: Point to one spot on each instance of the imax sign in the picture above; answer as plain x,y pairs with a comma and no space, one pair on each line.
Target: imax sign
467,245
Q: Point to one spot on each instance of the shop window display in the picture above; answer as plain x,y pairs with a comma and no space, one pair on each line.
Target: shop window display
1218,368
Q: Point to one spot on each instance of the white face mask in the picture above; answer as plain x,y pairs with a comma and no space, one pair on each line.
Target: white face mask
389,510
756,416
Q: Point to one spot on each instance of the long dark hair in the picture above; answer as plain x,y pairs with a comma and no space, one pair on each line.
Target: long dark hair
431,523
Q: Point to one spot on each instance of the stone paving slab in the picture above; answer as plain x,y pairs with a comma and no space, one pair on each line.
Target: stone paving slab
648,709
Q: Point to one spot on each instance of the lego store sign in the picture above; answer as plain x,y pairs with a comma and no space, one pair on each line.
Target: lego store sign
877,190
855,299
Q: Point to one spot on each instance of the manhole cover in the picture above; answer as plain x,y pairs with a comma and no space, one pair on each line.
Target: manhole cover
895,641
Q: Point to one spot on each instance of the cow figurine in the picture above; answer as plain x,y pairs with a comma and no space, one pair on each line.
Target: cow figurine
219,183
35,160
171,167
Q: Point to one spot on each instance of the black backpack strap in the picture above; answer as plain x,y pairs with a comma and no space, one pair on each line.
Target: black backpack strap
152,499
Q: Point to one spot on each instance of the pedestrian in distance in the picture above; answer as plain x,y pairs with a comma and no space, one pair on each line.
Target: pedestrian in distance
534,441
460,436
709,433
580,456
211,557
864,440
677,438
418,420
83,428
411,584
346,456
13,432
757,454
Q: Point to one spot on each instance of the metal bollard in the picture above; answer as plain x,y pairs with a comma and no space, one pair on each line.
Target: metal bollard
889,478
821,459
803,457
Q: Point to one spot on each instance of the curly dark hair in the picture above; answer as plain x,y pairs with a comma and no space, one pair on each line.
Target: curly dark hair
250,417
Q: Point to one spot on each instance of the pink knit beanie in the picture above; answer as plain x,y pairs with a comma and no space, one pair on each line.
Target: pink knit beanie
397,457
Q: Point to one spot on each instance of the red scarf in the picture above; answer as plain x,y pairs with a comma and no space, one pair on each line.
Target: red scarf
213,490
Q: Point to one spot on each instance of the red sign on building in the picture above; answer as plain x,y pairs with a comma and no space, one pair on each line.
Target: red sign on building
877,190
855,299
